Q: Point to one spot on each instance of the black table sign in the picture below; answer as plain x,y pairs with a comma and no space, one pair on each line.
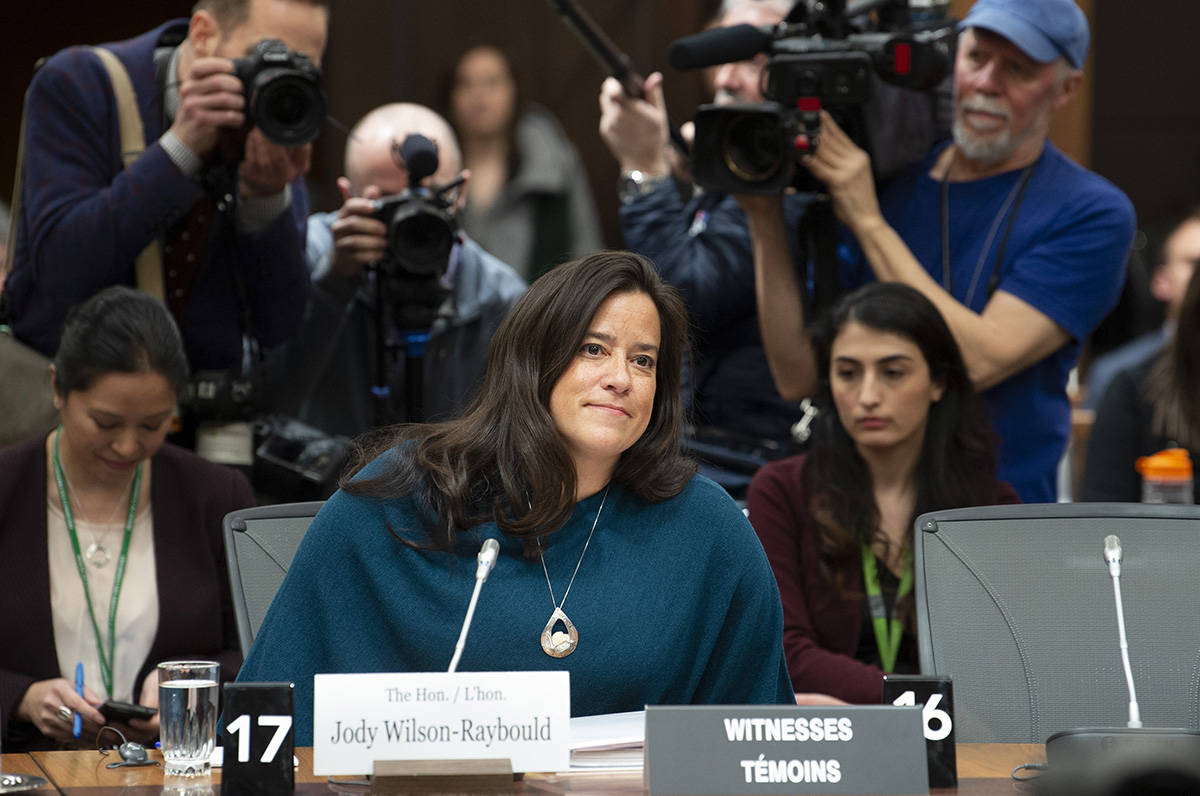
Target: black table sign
258,739
934,694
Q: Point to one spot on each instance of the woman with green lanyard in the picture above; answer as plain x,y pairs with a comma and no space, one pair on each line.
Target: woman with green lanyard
110,541
901,431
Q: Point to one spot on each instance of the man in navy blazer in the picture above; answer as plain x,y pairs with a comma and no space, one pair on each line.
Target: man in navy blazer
232,248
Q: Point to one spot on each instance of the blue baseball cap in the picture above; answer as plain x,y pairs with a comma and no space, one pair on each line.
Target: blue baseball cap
1042,29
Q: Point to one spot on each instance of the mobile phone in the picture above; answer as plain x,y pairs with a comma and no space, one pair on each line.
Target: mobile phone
124,711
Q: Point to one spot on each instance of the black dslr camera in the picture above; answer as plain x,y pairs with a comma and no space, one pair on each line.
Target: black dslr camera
420,229
817,61
283,93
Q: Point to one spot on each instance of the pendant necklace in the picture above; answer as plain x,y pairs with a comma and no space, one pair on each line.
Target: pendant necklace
96,553
556,643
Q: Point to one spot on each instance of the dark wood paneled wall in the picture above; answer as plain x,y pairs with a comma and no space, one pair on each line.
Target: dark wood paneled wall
1145,116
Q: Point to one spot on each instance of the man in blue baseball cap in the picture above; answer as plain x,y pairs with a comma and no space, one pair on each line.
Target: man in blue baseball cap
1022,250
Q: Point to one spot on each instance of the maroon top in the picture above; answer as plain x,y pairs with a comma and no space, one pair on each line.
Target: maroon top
821,628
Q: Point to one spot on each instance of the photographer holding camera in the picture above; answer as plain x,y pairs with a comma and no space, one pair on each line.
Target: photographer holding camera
225,203
701,247
403,303
1021,250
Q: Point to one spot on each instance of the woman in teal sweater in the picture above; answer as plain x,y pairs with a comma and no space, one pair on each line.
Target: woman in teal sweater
617,562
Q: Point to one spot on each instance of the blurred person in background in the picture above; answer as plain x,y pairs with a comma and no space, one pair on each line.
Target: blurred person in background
325,376
1148,407
1168,282
530,202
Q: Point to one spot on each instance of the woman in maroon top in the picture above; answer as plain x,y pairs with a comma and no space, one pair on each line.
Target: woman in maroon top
901,432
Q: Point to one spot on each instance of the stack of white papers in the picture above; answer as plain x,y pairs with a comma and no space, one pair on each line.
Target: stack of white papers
608,741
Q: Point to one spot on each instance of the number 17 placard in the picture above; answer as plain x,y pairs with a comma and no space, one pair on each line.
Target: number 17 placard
258,739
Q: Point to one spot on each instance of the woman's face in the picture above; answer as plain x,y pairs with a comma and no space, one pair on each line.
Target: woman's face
118,421
603,401
484,96
881,387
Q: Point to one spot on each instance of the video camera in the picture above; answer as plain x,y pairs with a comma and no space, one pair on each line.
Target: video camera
817,60
283,93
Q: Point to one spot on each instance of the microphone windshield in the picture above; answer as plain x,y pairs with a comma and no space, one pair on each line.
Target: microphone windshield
718,46
420,156
1112,549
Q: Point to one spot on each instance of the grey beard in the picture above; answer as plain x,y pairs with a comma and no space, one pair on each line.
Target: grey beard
985,153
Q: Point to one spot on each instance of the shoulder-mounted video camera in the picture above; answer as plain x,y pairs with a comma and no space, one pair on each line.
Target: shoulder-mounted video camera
283,93
817,60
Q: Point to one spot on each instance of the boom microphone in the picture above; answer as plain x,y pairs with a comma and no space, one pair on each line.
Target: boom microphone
720,46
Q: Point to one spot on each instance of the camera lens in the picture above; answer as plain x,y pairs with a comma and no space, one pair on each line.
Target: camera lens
421,239
751,148
288,106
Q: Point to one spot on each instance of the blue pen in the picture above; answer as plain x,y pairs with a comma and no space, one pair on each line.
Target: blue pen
77,728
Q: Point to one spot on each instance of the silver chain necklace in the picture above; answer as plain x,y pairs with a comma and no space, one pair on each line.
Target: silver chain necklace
556,643
96,554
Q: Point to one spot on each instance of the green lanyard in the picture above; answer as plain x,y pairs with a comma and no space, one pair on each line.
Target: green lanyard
887,634
106,661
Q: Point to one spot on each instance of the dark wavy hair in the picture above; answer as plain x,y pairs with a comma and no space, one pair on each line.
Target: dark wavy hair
119,330
957,465
504,459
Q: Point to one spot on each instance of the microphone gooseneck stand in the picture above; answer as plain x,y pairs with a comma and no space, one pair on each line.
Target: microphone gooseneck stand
1088,746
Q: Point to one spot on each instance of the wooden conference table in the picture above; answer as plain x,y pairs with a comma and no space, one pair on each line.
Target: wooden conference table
982,769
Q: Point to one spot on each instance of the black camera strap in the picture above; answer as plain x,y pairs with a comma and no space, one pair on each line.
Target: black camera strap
1011,205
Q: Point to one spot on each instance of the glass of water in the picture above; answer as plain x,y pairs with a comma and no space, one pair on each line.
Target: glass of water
187,715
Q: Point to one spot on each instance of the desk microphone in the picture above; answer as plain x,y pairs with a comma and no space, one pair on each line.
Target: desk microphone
1073,748
486,560
1112,556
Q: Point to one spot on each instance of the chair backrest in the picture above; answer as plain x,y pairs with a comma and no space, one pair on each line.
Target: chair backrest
259,546
1015,603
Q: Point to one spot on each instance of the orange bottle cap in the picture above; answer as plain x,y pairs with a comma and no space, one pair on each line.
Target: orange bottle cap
1171,464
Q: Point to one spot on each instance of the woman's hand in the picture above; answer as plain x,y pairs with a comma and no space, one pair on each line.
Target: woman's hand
41,705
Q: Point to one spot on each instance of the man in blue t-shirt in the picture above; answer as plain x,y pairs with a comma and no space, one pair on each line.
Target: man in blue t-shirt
1022,250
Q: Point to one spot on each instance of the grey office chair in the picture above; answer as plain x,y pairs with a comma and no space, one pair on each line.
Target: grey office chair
259,546
1015,603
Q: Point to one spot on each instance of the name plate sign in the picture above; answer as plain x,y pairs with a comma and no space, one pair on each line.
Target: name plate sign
750,749
361,718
